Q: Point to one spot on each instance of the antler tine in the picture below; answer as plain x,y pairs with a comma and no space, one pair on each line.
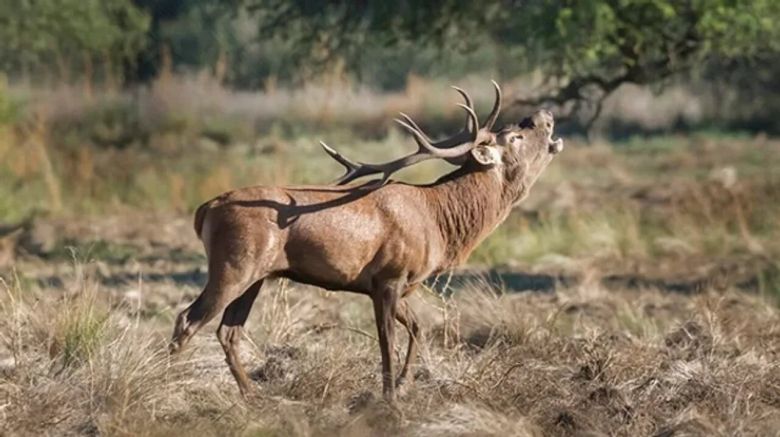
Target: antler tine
471,121
419,137
465,95
443,149
341,159
425,146
491,120
353,169
472,116
469,103
462,138
414,125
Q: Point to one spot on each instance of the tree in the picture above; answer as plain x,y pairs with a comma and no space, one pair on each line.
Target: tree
585,48
594,46
194,31
33,33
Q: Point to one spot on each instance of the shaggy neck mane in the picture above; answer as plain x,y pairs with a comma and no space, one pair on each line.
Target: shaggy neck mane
468,204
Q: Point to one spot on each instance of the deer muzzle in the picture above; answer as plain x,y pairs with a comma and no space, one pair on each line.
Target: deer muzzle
555,146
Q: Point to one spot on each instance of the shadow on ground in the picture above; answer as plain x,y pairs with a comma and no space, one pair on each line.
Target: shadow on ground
508,281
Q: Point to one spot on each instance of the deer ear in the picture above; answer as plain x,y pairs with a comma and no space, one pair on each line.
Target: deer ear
486,155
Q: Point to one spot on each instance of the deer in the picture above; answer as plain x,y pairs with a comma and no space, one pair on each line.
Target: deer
381,238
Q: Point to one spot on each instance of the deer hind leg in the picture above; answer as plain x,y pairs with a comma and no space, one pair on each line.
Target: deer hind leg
222,287
385,300
230,330
408,319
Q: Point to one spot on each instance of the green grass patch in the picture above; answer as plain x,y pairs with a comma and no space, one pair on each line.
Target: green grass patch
80,332
103,250
769,282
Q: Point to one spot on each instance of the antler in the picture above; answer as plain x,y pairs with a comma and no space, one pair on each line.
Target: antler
491,120
481,134
425,151
451,149
469,125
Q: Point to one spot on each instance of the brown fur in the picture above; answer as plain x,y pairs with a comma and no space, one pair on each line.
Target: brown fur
380,241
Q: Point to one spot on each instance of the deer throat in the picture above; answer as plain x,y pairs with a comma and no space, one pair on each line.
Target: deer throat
467,208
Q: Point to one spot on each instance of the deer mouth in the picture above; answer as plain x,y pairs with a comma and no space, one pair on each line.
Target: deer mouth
555,146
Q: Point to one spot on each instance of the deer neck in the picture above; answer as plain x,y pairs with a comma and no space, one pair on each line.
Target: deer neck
468,204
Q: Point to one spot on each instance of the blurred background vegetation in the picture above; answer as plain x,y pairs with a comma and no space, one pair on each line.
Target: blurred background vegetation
569,53
669,108
651,244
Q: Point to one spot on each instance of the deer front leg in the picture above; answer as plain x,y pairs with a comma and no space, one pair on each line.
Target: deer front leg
406,317
385,298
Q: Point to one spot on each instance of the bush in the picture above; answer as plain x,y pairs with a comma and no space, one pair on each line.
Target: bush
10,109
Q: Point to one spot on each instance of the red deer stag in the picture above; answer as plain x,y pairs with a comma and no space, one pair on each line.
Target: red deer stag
379,239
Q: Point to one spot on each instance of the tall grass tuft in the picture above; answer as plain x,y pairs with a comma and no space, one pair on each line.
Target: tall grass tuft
79,330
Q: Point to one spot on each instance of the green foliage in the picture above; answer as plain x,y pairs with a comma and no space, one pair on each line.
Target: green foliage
769,281
586,48
359,34
646,40
9,109
225,130
35,32
194,33
261,41
106,251
111,124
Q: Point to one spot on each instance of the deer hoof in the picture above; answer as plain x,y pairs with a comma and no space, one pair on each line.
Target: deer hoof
174,348
402,386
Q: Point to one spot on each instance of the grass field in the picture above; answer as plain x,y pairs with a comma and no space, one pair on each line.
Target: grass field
91,358
652,265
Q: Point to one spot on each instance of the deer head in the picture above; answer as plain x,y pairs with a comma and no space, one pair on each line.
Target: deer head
522,151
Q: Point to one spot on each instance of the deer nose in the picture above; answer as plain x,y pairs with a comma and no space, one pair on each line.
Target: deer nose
555,147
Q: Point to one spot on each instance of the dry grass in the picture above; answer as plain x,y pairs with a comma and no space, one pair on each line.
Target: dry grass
578,361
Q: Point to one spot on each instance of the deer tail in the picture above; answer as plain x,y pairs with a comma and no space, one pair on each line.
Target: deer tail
200,217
